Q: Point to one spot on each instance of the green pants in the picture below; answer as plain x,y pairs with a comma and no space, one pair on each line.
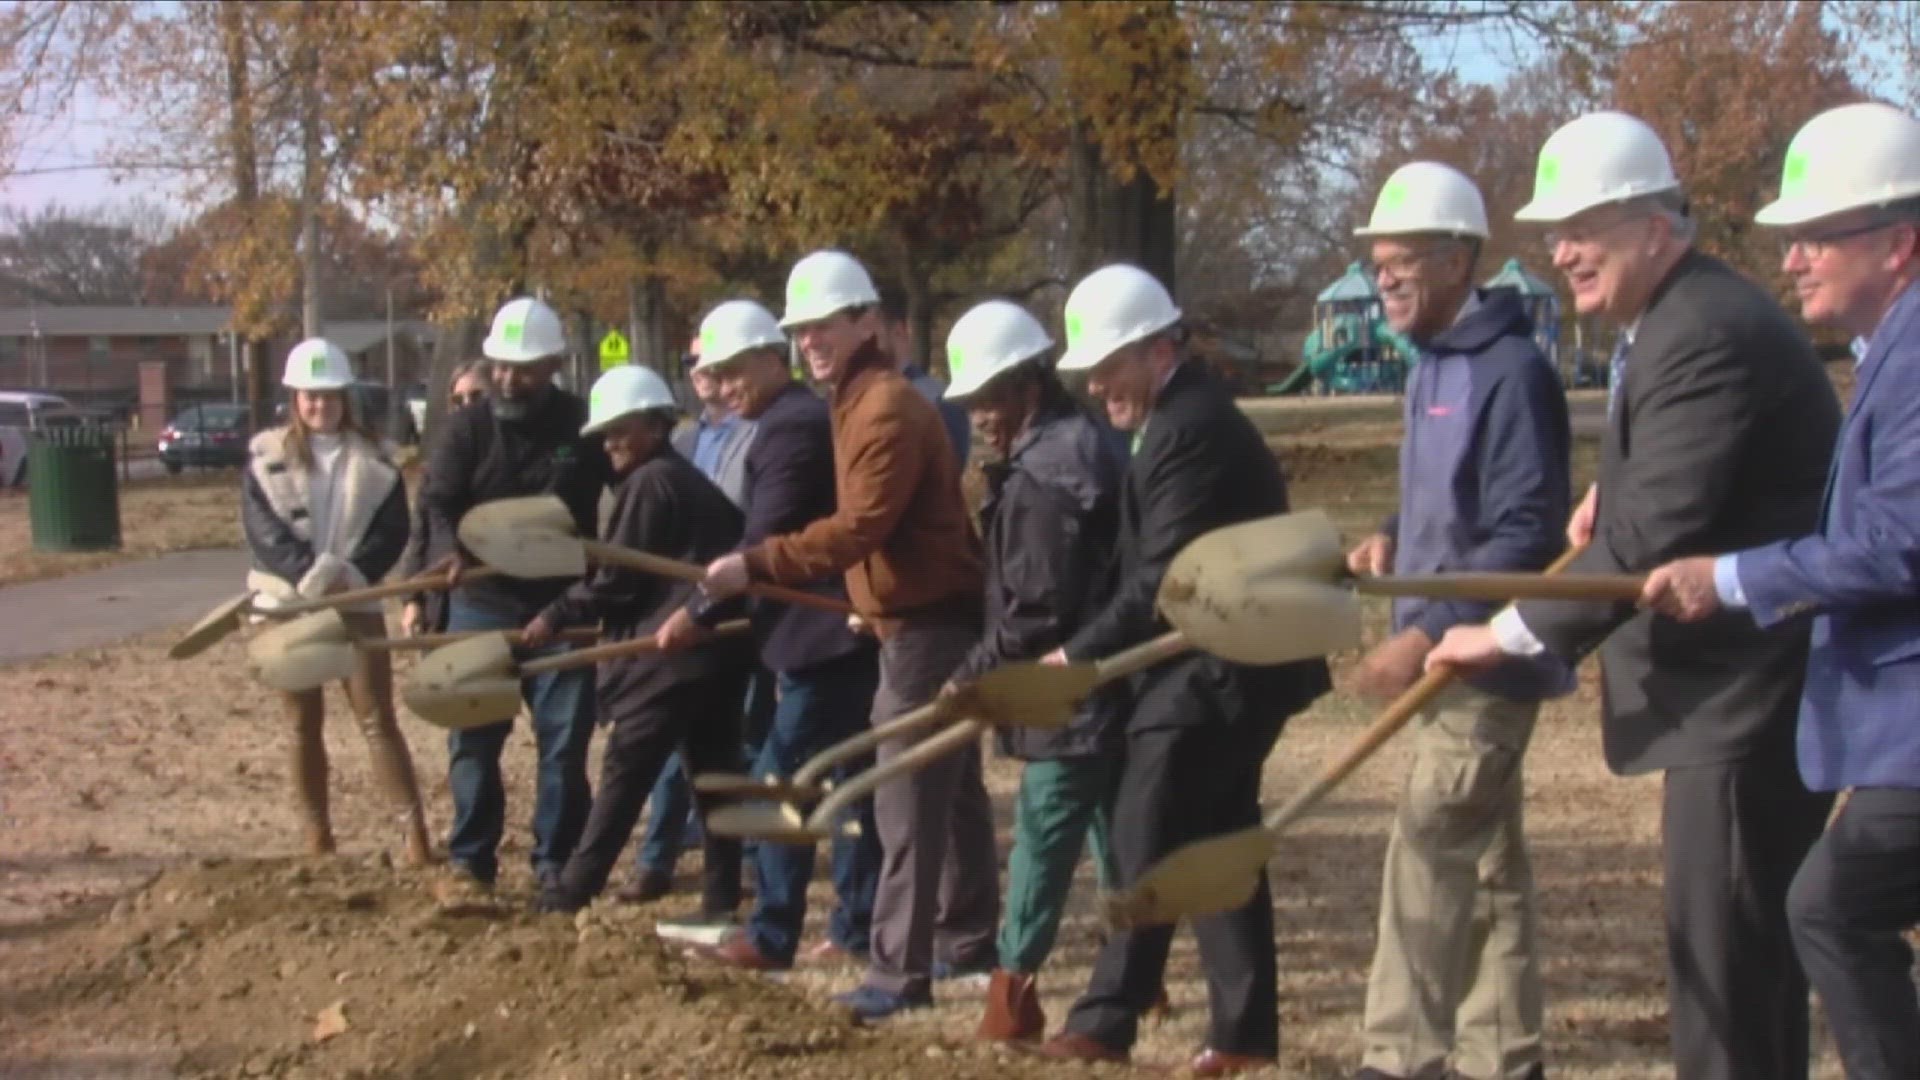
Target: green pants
1061,803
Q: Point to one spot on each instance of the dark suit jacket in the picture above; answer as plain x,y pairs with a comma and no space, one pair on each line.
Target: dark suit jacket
1200,465
1719,441
664,506
788,486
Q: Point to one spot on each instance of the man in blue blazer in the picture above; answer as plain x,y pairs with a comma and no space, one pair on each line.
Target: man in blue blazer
1849,211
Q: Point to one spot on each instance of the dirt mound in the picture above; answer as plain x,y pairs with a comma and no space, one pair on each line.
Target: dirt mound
349,969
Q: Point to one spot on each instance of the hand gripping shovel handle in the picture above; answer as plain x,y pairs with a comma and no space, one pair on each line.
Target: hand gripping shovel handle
928,750
1500,586
639,646
615,555
406,587
1389,723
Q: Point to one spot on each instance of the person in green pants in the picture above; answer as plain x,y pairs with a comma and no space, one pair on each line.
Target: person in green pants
1049,521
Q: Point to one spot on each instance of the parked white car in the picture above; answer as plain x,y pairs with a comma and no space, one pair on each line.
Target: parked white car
22,411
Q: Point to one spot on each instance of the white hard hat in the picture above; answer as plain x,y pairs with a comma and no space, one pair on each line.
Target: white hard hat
823,283
1111,308
735,327
628,388
317,364
1427,197
525,330
1603,157
1846,158
991,337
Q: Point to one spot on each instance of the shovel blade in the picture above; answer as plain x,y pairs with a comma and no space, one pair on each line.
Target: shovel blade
304,667
1033,695
1261,592
212,627
527,538
324,627
466,684
774,824
1206,877
740,786
475,703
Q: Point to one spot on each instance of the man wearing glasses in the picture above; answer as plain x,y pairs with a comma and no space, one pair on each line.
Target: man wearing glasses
1721,425
1850,209
1484,485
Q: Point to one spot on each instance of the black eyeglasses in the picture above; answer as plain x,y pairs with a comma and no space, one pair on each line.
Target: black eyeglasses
1814,245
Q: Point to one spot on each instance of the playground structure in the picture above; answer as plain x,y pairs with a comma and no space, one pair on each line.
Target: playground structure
1352,350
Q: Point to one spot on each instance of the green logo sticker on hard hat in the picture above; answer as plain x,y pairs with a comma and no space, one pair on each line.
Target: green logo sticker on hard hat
1393,196
317,364
1794,176
596,399
1548,177
709,342
956,361
513,329
1073,328
801,287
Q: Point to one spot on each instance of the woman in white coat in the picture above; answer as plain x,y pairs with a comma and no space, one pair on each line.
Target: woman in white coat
325,511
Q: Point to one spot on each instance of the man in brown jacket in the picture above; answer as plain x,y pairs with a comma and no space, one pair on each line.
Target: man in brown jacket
914,570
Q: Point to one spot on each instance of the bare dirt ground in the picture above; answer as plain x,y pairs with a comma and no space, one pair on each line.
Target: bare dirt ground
155,922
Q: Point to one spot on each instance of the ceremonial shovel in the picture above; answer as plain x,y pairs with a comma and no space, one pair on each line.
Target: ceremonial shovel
316,649
533,537
1261,592
1221,873
226,618
476,682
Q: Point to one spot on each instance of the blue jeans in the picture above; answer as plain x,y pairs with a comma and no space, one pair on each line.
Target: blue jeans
818,707
675,823
562,707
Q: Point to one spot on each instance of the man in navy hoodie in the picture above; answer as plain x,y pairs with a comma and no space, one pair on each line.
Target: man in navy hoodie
1483,486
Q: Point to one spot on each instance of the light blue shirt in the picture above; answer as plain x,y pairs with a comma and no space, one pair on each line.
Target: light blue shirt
1726,568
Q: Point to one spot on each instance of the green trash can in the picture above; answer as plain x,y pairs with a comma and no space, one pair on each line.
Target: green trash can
73,502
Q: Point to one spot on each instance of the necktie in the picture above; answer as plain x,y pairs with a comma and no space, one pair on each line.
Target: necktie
1616,371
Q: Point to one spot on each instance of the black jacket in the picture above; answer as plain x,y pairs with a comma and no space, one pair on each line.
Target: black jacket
789,485
483,458
1720,440
1200,465
667,507
1050,519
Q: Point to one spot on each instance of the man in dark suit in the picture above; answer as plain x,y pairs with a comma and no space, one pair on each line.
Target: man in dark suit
1850,209
1200,727
826,673
1721,427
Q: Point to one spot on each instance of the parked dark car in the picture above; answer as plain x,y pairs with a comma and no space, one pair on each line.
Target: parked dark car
207,436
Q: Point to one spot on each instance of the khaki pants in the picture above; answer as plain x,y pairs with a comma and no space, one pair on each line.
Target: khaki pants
1455,971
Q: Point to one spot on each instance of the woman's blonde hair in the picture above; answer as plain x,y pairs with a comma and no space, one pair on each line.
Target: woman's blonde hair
299,448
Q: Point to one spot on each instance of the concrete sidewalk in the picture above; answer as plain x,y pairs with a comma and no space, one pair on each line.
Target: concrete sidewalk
42,618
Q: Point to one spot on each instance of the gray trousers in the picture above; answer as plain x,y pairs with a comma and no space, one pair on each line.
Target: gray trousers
939,890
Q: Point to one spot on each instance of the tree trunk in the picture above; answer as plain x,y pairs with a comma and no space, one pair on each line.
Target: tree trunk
455,342
246,180
920,323
1111,221
653,343
312,170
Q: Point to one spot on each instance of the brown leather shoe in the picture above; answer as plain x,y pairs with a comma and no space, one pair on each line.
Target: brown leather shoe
1073,1046
737,950
1211,1062
1013,1009
646,888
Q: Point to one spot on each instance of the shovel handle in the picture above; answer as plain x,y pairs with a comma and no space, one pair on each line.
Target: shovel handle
616,555
1389,723
925,752
928,715
1497,586
578,636
639,646
404,587
1141,657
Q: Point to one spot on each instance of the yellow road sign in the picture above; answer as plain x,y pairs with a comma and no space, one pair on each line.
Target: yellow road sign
613,350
